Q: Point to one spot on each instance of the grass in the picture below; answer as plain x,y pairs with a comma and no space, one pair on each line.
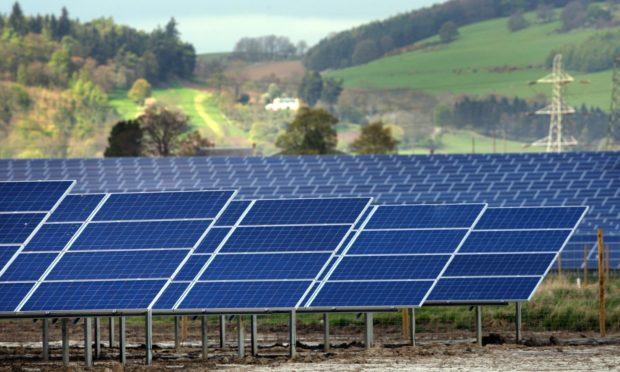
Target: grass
466,66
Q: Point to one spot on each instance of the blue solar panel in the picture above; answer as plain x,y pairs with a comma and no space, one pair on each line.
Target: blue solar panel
32,196
12,294
530,218
245,295
471,290
99,295
232,213
52,237
515,241
389,267
170,296
6,252
424,217
413,241
75,208
117,265
192,267
165,205
305,211
265,266
285,239
140,235
383,294
499,264
16,228
212,240
28,267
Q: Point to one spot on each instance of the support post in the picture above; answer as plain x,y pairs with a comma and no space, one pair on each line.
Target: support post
122,341
292,330
326,341
518,321
111,331
412,326
148,333
65,341
205,338
177,333
585,265
254,327
222,331
97,338
88,341
45,347
601,282
241,336
368,330
479,325
404,315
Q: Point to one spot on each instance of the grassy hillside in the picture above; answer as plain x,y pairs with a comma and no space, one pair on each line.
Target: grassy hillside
485,59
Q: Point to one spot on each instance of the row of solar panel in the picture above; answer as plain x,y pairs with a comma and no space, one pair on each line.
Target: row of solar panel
164,251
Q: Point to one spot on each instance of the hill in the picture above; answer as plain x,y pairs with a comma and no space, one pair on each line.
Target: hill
486,59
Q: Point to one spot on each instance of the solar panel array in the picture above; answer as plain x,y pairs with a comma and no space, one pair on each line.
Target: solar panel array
500,180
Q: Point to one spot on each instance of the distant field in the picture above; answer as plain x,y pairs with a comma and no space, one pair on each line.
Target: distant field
283,70
486,59
199,105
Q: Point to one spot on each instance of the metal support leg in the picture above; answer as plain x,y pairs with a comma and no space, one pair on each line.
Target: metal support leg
241,332
412,326
222,330
65,342
292,330
122,341
254,327
88,341
326,341
479,325
177,332
368,331
205,338
518,321
148,332
45,349
97,338
111,331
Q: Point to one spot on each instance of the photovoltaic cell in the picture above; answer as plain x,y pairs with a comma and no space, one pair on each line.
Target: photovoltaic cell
214,238
170,296
285,239
52,237
75,208
265,266
165,205
16,228
530,218
483,289
405,241
6,253
140,235
31,196
514,241
389,267
425,216
232,213
499,264
12,294
384,294
305,212
192,267
28,267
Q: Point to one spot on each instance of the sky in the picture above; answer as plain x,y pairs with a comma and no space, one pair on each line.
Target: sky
215,26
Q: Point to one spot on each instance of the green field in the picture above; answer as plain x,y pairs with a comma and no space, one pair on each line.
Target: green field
469,65
200,105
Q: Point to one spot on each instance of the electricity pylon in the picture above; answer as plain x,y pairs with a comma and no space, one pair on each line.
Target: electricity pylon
613,109
555,142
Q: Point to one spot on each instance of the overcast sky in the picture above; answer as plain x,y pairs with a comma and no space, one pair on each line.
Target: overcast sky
215,26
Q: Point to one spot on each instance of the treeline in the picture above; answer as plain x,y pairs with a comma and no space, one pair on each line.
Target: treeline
45,50
597,53
268,48
378,38
515,118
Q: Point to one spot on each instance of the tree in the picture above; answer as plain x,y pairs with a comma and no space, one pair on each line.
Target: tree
517,22
573,15
312,132
448,32
365,51
163,128
192,144
125,139
545,13
140,91
331,90
17,21
375,139
311,88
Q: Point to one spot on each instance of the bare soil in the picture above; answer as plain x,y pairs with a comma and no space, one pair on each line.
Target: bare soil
20,350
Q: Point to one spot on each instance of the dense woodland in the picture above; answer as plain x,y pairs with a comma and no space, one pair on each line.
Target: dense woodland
374,40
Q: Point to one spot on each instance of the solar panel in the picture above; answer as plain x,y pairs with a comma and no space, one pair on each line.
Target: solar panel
32,196
396,256
507,255
92,264
275,245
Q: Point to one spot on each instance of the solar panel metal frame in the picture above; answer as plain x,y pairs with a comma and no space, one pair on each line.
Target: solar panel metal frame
542,277
17,314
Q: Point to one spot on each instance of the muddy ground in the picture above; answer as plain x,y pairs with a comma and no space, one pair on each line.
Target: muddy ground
20,350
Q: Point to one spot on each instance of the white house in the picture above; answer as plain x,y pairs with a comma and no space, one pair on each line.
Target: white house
283,103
